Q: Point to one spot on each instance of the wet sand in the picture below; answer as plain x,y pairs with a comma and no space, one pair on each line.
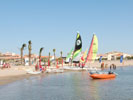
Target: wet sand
8,79
8,75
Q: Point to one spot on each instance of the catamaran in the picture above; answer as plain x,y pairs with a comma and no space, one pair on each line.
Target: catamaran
76,54
92,53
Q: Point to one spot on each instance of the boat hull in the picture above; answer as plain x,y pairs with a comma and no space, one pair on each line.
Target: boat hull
102,76
33,72
54,71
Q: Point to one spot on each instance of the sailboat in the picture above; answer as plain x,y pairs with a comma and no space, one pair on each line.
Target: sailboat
92,53
76,53
91,58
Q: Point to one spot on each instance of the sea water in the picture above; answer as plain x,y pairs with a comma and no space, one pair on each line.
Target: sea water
71,86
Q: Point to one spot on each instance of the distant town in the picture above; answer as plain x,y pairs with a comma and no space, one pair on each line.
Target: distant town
16,58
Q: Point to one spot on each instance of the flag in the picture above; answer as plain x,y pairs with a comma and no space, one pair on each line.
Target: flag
62,62
100,60
121,59
48,62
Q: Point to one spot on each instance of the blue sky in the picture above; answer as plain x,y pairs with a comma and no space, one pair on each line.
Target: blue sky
54,24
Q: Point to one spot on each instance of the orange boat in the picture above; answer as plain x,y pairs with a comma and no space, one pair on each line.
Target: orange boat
102,76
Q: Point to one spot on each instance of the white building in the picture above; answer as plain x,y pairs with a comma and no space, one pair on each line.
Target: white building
113,55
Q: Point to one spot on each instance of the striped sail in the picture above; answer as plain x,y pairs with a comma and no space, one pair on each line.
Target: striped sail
82,59
92,53
78,48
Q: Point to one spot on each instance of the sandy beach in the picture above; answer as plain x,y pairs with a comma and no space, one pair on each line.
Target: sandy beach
15,73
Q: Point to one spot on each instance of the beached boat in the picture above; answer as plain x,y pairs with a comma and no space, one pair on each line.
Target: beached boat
75,55
33,72
54,70
73,68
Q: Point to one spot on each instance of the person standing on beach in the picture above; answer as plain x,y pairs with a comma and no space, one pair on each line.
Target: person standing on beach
102,66
36,67
110,67
114,67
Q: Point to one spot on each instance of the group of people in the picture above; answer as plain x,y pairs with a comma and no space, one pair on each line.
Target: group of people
6,65
38,67
112,66
79,65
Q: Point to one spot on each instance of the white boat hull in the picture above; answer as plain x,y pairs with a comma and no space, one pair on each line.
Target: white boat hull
54,71
34,72
79,68
73,68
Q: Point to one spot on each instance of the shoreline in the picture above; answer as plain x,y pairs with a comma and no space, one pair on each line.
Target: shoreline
10,79
16,73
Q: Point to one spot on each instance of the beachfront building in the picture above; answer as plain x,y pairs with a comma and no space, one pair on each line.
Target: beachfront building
15,59
33,59
113,55
9,57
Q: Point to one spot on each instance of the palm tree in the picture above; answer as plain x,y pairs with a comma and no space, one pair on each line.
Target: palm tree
49,55
61,53
40,52
22,48
30,48
54,53
49,60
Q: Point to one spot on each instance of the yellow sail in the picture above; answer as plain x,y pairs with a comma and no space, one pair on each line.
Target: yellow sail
95,48
92,53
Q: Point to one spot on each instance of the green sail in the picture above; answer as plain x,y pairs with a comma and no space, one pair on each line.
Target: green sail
69,55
